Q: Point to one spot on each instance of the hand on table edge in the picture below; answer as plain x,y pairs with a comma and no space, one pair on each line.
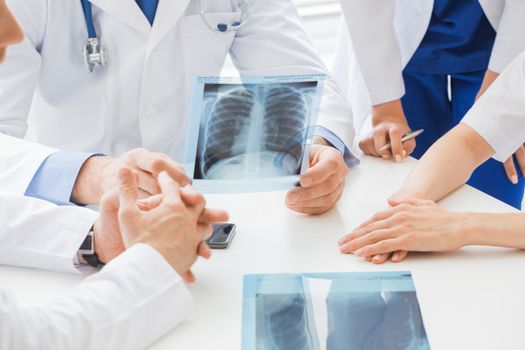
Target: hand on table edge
411,225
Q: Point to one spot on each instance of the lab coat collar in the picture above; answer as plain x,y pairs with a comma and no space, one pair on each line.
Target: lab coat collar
127,11
168,14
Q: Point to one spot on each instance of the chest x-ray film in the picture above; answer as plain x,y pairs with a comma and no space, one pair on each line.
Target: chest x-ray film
251,134
333,311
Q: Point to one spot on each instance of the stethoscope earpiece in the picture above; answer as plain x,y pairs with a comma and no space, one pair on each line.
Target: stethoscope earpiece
223,27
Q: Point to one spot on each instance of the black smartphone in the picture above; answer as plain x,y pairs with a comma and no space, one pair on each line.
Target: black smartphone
222,236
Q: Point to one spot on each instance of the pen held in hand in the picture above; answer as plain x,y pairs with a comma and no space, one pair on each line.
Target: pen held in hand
407,137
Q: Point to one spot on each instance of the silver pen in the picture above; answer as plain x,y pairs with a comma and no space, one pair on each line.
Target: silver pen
407,137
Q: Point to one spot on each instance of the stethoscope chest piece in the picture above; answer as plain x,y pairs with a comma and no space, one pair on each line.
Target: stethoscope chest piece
94,55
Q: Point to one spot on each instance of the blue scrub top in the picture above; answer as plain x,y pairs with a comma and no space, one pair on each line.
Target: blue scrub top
459,39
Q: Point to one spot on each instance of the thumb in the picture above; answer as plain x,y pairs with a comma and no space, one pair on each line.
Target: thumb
128,191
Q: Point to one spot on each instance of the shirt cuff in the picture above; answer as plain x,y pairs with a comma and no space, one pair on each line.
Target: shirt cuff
54,180
350,159
492,132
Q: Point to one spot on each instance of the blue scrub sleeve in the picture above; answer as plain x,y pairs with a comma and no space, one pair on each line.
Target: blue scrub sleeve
55,178
350,159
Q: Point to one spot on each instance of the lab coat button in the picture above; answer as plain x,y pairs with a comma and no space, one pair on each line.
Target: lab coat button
151,113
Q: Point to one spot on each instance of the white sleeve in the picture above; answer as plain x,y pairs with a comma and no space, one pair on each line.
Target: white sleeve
19,162
499,115
371,28
510,41
274,42
39,234
132,302
19,73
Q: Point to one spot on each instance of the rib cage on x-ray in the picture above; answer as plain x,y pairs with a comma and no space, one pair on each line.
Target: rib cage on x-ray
260,122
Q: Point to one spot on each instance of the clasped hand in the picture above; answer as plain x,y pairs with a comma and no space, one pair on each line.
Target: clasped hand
175,222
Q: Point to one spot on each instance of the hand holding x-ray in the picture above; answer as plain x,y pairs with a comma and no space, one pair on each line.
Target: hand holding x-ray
322,184
252,134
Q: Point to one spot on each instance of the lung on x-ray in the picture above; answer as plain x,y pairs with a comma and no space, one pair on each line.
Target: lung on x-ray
332,311
251,135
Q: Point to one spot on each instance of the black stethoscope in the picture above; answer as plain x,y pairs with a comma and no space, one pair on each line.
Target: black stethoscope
95,54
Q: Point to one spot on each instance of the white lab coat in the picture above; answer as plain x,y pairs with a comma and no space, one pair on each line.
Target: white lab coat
141,98
112,309
19,161
499,115
35,233
385,35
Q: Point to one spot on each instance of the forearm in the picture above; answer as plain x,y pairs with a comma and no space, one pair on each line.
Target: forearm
388,110
500,230
447,165
488,79
38,234
111,309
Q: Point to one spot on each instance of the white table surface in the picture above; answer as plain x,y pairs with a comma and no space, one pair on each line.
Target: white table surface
471,299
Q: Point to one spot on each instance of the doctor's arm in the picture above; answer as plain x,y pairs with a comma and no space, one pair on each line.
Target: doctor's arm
114,308
414,222
371,31
493,127
82,178
110,310
38,234
274,42
447,165
508,45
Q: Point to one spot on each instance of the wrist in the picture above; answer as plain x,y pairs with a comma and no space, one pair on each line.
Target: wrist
318,140
88,185
470,227
388,112
488,79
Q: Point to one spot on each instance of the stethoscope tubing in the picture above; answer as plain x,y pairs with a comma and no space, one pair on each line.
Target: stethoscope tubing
88,15
95,49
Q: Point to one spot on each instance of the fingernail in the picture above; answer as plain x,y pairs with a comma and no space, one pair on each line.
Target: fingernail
395,256
306,181
404,153
341,240
514,179
385,156
376,258
398,158
359,252
293,198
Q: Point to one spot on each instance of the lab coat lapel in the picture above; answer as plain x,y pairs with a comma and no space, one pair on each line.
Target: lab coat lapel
168,14
126,11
